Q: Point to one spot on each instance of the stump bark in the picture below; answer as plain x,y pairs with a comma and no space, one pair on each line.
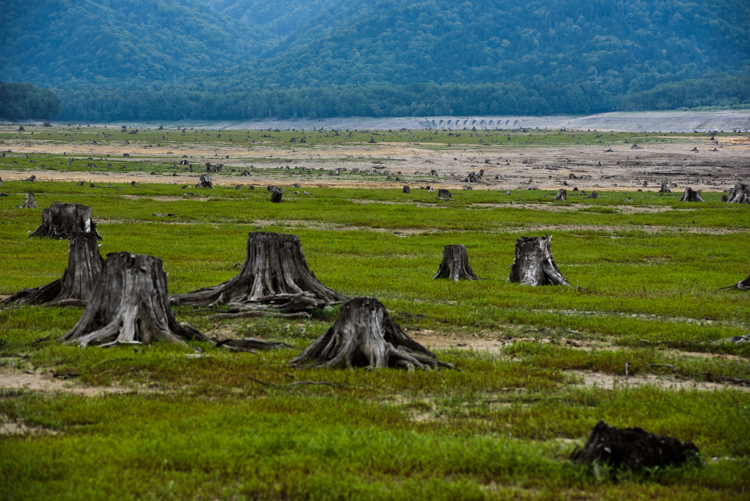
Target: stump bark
691,196
275,276
740,194
561,195
534,263
632,448
204,182
62,221
444,194
365,335
29,202
664,187
455,264
129,305
78,280
276,197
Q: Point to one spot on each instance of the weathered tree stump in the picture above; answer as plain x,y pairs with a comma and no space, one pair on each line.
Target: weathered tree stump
406,189
31,178
204,182
455,264
743,285
29,202
561,195
691,196
664,187
78,280
276,196
365,335
62,220
444,194
594,194
534,263
275,276
129,305
740,194
632,448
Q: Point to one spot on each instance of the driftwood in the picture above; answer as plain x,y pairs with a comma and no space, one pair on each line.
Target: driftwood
129,305
444,194
561,195
66,221
29,203
275,276
632,448
365,335
534,263
455,264
664,187
204,182
78,280
691,196
740,194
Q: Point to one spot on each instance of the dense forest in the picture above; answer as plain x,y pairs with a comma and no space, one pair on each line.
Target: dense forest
23,100
280,17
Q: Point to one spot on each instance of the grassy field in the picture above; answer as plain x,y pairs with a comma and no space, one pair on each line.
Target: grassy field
187,422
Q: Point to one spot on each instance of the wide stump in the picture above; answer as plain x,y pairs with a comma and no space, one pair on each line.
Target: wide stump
691,196
455,264
129,305
740,194
63,221
275,276
365,335
534,263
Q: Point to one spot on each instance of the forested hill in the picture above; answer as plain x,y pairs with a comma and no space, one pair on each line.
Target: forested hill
69,43
630,45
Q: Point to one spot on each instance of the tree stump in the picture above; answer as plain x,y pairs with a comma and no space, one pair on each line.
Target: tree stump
62,221
743,285
632,448
78,280
406,189
365,335
740,194
534,263
204,182
561,195
594,194
455,264
129,305
691,196
276,196
30,202
444,194
664,187
31,178
275,276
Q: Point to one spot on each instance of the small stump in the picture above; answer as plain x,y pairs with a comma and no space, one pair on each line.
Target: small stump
365,335
534,263
561,195
594,194
204,182
632,448
444,194
276,197
30,202
691,196
406,189
740,194
62,221
129,305
455,264
664,187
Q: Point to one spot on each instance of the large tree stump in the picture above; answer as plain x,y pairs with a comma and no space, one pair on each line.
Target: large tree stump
29,202
455,264
129,305
275,276
534,263
444,194
78,280
204,182
62,220
561,195
276,197
365,335
740,194
691,196
632,448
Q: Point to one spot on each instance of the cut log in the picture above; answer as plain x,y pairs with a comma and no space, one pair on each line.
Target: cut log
62,221
455,264
365,335
78,280
691,196
275,276
632,448
534,263
740,194
276,197
406,189
30,202
664,187
129,305
444,194
204,182
561,195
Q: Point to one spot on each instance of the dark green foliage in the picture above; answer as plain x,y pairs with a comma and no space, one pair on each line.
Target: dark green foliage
281,17
711,91
23,100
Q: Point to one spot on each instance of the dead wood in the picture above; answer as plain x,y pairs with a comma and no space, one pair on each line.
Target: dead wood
561,195
297,383
664,187
32,178
204,182
78,281
594,194
250,345
743,285
406,189
239,313
632,448
740,194
62,220
444,194
365,335
276,197
29,203
274,276
455,264
534,263
129,305
691,196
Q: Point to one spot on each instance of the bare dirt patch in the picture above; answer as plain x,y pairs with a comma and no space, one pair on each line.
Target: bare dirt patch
20,380
611,382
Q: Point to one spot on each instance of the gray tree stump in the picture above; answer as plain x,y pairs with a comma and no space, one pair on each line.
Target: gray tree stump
664,187
691,196
204,182
444,194
365,335
129,305
29,202
561,195
740,194
275,276
534,263
455,264
62,221
406,189
276,196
